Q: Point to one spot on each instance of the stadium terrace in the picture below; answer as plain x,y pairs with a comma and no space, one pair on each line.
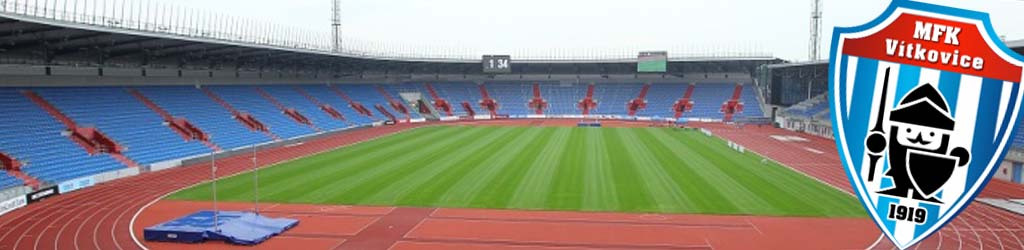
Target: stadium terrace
120,133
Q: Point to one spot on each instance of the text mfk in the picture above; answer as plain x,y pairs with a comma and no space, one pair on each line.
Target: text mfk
932,32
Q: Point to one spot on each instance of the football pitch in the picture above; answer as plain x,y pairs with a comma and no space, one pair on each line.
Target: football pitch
662,170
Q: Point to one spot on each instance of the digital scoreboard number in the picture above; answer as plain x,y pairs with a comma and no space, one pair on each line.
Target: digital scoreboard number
497,64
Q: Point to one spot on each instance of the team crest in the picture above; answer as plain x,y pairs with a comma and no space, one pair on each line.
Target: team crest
924,101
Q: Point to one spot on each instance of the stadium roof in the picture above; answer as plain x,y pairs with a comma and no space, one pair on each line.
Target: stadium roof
30,39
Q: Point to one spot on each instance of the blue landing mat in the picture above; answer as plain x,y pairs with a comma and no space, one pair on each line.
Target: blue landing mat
236,227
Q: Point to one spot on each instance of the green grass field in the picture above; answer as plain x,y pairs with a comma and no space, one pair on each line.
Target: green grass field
583,169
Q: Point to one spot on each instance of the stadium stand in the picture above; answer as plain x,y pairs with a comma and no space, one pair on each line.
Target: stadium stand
457,93
1018,139
366,95
112,110
391,94
810,108
246,99
327,96
511,97
290,97
708,99
190,103
612,98
8,181
36,139
563,98
661,97
146,137
751,107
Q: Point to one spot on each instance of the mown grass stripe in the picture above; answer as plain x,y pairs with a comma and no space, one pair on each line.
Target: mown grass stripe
567,188
498,194
713,182
533,191
665,191
599,186
466,187
788,192
441,173
294,176
589,169
352,189
633,194
346,162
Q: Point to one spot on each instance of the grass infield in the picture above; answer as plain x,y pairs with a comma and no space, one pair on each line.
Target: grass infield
661,170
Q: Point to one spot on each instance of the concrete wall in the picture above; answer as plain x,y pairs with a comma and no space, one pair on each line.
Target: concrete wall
30,75
1004,171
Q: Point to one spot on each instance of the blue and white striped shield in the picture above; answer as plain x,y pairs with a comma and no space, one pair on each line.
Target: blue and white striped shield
925,100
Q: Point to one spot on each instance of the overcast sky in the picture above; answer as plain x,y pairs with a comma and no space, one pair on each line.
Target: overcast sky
779,27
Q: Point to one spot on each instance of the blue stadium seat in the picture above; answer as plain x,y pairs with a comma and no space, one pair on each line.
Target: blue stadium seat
613,98
708,99
190,103
367,95
34,137
563,99
457,93
512,98
661,97
395,89
751,105
291,98
326,95
8,181
247,99
127,120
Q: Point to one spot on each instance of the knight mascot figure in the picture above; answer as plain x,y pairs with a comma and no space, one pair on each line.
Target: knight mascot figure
918,144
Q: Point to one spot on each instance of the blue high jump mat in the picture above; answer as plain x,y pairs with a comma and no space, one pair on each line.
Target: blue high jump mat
235,227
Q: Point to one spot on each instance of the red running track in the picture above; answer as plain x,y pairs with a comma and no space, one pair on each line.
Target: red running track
358,227
99,217
980,226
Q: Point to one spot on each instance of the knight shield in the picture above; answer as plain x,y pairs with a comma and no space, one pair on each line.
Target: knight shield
925,101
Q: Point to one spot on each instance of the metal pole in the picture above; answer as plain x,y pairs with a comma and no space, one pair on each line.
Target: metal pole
213,176
255,181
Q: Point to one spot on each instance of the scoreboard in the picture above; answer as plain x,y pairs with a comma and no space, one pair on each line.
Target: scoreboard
497,64
652,62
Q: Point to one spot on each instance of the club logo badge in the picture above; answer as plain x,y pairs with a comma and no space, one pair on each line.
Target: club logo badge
925,101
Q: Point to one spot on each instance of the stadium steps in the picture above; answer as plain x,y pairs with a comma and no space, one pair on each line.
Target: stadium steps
684,104
9,162
295,115
91,139
488,103
395,104
439,103
324,94
27,179
469,109
538,104
640,102
326,108
733,105
588,102
13,168
382,110
314,109
245,118
179,125
358,107
456,93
